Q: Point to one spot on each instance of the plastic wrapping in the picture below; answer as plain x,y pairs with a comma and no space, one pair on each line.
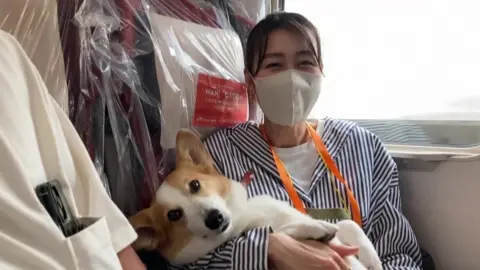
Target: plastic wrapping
34,24
134,72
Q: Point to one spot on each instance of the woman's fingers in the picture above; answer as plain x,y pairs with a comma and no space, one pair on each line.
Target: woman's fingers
344,250
341,249
325,256
286,253
330,264
332,254
341,262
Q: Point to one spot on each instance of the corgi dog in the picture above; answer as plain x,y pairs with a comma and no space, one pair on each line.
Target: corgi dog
196,209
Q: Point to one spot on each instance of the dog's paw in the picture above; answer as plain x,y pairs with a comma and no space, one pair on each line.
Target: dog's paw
312,230
374,267
370,259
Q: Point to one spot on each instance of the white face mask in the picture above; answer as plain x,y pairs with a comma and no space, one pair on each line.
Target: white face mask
288,97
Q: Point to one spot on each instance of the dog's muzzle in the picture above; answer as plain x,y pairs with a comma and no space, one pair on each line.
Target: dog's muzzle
215,221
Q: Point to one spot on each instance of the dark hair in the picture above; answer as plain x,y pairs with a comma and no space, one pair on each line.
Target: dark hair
258,38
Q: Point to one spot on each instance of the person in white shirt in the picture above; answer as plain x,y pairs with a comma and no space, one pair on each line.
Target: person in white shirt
38,144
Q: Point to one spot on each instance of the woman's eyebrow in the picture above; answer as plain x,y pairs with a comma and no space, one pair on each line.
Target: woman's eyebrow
305,53
274,55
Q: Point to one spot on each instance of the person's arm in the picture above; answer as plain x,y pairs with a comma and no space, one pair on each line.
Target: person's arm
391,232
92,199
129,259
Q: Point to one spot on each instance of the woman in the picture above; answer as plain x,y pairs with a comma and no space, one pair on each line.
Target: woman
288,160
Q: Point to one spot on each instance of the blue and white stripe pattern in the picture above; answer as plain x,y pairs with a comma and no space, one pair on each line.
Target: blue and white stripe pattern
365,164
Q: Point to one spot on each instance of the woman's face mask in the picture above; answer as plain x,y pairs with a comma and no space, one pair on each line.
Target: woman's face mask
287,98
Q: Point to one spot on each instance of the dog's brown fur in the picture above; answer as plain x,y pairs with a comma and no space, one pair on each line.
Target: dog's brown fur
154,230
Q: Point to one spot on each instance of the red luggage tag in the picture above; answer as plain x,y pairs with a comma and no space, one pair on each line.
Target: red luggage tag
220,102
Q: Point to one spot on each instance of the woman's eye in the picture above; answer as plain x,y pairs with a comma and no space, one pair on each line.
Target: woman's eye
194,186
273,65
307,63
174,215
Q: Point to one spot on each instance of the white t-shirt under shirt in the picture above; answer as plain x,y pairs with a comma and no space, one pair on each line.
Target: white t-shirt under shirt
300,160
38,143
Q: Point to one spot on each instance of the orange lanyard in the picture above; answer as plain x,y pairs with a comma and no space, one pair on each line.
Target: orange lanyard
327,159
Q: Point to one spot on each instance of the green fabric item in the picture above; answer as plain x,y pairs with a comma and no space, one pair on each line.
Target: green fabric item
328,214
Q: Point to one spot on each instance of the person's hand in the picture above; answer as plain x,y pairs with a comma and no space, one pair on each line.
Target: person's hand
286,253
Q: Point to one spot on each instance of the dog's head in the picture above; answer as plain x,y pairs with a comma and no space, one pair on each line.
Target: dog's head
190,203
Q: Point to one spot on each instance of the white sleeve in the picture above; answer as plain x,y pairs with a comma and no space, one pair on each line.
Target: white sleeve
90,196
38,143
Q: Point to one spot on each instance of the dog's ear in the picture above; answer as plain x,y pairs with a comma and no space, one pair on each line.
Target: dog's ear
190,150
150,235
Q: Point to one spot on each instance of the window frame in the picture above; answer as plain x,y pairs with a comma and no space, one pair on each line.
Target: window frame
405,153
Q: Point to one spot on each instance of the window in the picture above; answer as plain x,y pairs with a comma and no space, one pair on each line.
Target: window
408,70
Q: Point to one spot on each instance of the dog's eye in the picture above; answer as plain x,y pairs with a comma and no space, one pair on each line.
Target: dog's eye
174,215
194,186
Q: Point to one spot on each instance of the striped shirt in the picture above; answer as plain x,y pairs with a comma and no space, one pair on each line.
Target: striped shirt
364,162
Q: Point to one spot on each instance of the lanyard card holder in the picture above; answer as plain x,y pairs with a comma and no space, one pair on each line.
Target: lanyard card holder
328,214
53,200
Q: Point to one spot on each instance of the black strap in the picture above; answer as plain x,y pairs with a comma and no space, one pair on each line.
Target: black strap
427,261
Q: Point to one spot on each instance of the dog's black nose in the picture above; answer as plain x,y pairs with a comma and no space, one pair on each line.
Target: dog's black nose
214,219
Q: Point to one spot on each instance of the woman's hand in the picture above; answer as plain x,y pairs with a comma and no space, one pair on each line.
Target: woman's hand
286,253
